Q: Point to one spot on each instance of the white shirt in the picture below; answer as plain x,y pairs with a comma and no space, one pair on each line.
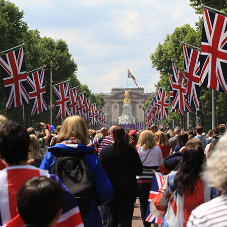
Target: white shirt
154,158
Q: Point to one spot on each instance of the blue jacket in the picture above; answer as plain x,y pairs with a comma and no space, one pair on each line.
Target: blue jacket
102,185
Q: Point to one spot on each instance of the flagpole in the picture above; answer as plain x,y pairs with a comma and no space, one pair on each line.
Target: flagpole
212,9
194,47
127,76
213,113
13,48
187,120
51,65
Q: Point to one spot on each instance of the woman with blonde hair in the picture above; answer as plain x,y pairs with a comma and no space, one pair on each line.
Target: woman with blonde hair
34,156
164,145
72,139
152,159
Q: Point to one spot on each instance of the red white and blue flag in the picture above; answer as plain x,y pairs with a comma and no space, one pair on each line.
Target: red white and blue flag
15,78
80,105
157,182
73,101
38,94
213,57
192,75
93,115
178,92
62,100
87,110
12,178
163,104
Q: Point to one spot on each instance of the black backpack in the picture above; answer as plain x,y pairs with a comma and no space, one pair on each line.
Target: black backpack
74,173
213,142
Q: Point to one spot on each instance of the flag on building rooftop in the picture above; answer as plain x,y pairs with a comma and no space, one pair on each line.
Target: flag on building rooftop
131,76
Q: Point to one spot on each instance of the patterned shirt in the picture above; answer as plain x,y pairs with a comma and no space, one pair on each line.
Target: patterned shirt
105,142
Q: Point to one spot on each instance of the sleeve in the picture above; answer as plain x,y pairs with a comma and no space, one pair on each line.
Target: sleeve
159,204
96,142
193,221
47,162
102,185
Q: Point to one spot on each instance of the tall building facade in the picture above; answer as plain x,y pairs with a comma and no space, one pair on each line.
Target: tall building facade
114,101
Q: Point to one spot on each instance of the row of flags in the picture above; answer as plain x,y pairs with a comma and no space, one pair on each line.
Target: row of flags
204,68
20,89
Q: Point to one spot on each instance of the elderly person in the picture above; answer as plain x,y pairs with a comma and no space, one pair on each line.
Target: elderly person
213,213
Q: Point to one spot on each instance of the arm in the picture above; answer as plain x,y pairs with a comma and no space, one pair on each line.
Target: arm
46,131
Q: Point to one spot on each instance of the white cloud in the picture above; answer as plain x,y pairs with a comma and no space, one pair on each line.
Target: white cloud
104,37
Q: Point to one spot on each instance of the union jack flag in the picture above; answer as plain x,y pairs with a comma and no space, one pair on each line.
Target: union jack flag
87,109
157,182
192,74
213,59
73,101
178,92
93,115
103,120
11,180
62,100
80,105
163,104
38,94
15,78
98,117
149,116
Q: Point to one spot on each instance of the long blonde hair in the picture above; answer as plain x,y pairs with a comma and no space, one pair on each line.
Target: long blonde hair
34,148
162,139
73,126
146,140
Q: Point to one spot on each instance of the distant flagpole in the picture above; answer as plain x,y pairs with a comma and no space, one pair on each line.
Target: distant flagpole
127,76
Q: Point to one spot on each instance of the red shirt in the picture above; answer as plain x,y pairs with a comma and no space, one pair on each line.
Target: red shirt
2,165
165,153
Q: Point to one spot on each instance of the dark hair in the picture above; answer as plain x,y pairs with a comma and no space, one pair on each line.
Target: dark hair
39,200
119,143
14,142
215,130
189,169
183,139
199,129
221,128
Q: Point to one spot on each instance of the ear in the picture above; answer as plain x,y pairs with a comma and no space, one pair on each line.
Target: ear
57,216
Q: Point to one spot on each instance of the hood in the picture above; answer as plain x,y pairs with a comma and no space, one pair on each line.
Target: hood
72,148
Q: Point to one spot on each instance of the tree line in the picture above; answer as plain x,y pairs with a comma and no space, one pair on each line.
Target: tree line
38,51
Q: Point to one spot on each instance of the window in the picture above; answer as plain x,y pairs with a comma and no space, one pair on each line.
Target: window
108,109
108,119
134,109
121,109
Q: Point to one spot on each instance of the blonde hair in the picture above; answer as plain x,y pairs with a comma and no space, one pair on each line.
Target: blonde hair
34,147
146,140
2,119
162,139
216,169
73,126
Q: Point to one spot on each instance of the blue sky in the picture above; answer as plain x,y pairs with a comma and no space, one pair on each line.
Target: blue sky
105,37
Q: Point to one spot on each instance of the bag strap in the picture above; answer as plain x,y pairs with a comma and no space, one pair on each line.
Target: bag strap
146,156
165,151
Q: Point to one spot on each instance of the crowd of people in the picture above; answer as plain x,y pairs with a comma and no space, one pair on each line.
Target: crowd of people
102,172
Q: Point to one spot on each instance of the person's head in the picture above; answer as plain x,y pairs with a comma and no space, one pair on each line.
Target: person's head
210,133
190,168
2,119
104,131
154,128
31,131
119,142
40,201
215,131
34,147
73,126
162,139
177,131
221,128
111,129
183,139
216,168
199,130
57,129
146,140
14,142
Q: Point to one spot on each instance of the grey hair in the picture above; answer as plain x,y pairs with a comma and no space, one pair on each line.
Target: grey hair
177,129
216,168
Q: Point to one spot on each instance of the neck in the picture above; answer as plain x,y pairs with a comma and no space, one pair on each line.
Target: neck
21,163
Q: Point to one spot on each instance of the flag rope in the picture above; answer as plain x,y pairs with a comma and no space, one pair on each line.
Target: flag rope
34,70
194,47
61,82
13,48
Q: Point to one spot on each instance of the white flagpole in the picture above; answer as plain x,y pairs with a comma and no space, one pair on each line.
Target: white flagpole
51,81
213,113
187,120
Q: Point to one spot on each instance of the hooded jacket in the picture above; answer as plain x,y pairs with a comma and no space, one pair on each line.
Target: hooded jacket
103,190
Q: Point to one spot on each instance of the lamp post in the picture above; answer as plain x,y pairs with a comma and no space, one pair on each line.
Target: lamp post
51,106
